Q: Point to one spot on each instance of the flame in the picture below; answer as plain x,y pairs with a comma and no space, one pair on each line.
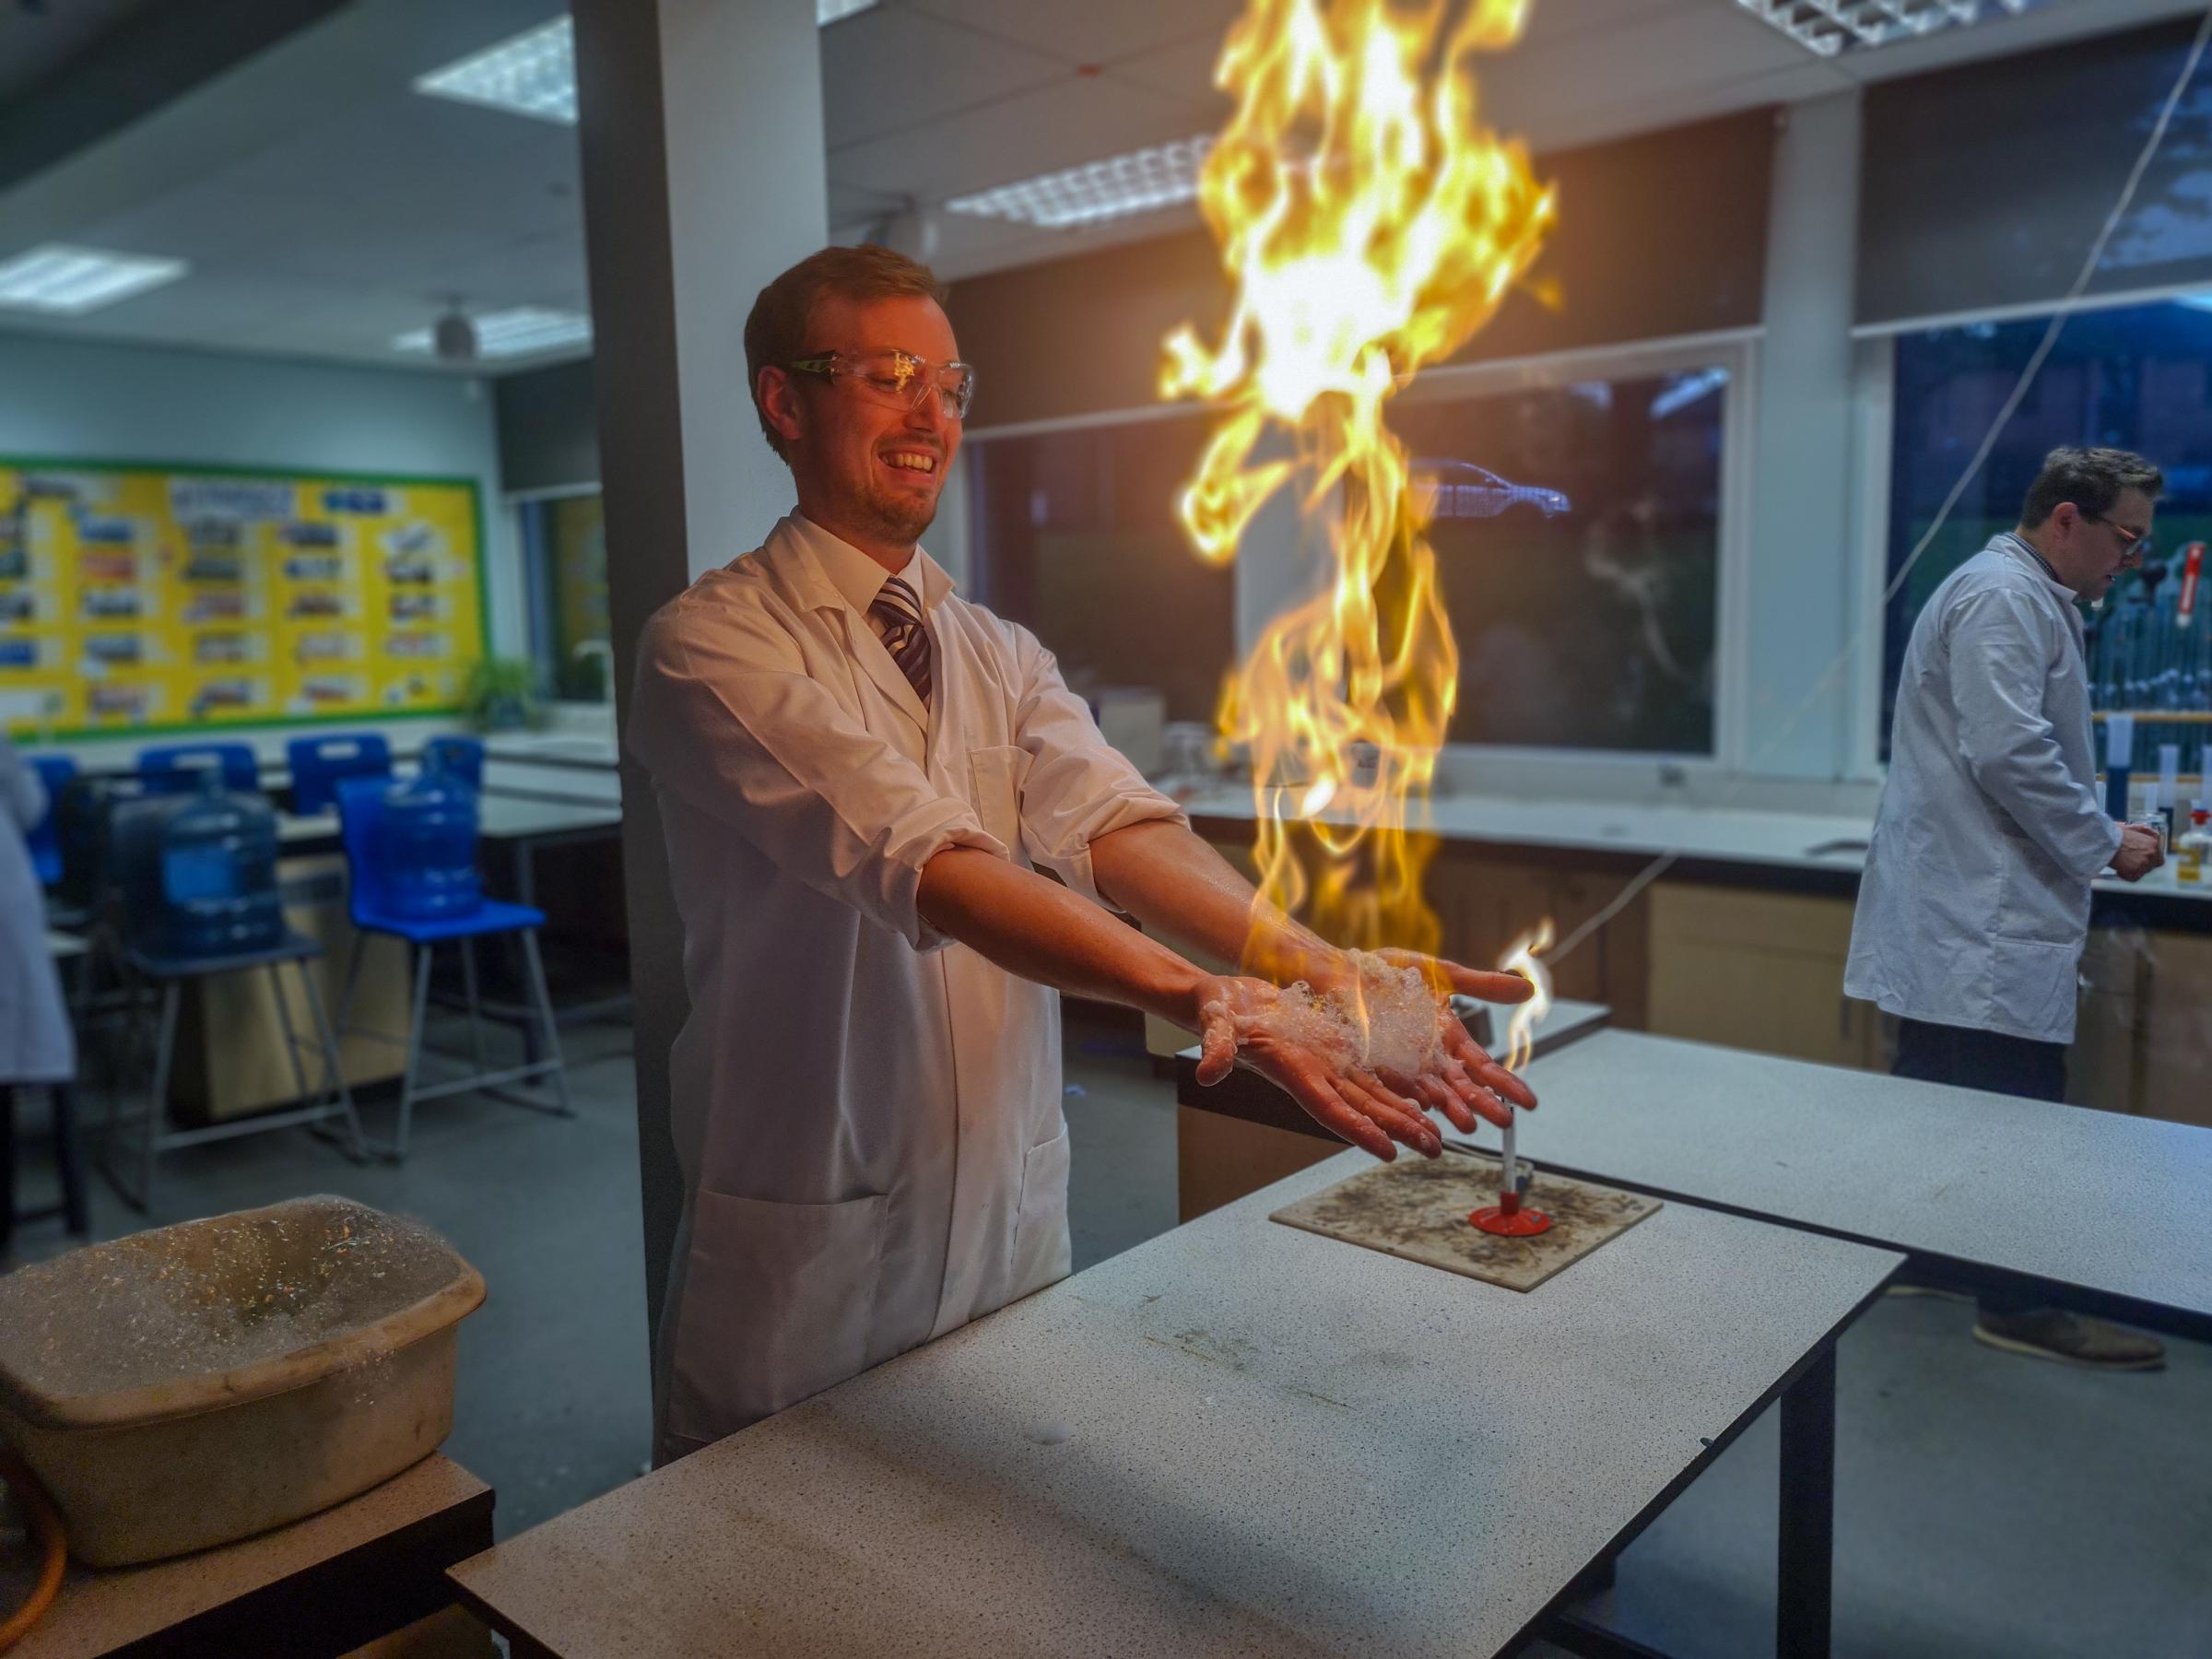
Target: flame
1370,225
1521,1036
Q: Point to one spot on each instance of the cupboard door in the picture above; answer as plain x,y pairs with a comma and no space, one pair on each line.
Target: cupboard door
1755,971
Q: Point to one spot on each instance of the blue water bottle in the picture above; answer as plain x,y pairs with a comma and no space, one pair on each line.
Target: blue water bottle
218,874
429,846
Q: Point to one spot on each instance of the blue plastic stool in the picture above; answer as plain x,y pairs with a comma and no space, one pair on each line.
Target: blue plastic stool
463,756
362,813
318,763
54,771
175,767
133,916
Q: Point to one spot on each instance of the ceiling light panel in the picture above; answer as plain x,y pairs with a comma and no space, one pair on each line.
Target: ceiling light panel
534,73
522,332
68,281
1831,27
1157,177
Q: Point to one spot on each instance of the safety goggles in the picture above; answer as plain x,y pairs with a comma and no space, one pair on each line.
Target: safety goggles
2135,546
897,378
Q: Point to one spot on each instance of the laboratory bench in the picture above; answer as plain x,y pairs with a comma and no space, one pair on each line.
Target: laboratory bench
1741,939
1237,1437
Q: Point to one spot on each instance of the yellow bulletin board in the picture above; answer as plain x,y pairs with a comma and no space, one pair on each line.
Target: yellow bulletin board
149,597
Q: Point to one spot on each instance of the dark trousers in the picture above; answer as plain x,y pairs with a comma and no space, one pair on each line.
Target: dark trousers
1984,1060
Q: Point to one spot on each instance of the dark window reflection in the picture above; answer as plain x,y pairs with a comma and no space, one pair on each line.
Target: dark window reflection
2136,377
1075,537
1577,534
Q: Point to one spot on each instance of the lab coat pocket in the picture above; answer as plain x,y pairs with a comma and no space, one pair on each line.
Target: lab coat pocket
994,791
1041,1246
779,1301
2034,988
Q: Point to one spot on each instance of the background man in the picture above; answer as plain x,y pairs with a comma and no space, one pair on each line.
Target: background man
857,771
1975,904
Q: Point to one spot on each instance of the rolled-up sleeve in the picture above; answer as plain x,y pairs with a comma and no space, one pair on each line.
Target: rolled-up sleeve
1078,786
1998,654
726,719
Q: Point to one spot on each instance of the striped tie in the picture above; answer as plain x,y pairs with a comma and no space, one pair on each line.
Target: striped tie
903,635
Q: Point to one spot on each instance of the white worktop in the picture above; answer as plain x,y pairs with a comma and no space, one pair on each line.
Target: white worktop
1235,1438
2099,1199
1794,840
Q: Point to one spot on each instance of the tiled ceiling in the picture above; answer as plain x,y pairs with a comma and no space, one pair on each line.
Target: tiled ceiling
325,207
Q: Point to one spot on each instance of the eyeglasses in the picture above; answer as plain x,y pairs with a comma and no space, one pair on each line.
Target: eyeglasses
899,377
2134,545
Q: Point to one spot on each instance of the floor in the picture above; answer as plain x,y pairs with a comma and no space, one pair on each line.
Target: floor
1986,1504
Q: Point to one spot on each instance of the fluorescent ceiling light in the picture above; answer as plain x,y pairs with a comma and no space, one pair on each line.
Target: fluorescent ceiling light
1828,26
1099,190
526,330
71,280
534,73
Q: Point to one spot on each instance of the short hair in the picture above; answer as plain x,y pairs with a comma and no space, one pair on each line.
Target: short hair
2093,479
776,329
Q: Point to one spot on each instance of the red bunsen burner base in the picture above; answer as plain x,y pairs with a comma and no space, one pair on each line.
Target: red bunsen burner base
1510,1218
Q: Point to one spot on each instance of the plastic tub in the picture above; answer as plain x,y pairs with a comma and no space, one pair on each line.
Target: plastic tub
193,1384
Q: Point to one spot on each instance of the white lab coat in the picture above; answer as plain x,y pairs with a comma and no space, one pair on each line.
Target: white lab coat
867,1115
1975,904
36,1043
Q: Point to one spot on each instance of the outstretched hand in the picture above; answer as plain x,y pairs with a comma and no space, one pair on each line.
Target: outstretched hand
1465,1082
1343,1097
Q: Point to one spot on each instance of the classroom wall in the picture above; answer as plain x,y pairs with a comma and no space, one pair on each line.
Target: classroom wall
77,400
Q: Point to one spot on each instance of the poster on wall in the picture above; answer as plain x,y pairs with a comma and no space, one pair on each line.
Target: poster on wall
160,597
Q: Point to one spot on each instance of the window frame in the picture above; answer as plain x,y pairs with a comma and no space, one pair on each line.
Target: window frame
1543,768
536,598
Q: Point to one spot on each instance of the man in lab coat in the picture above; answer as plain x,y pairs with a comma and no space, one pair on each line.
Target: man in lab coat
1975,904
858,773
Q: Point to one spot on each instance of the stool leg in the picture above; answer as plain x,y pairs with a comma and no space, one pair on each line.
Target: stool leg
407,1082
353,980
284,1021
7,1167
157,1101
476,1025
69,1158
543,997
334,1063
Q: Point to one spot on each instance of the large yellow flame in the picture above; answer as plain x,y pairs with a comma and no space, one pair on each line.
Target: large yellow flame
1370,225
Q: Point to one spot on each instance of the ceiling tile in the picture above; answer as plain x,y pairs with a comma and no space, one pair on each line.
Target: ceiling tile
889,70
1065,125
1082,31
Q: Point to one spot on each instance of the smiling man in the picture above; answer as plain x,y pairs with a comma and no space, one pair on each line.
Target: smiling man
1975,904
859,773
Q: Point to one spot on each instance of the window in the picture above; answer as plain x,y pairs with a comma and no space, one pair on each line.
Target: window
2136,377
1577,531
1075,536
564,565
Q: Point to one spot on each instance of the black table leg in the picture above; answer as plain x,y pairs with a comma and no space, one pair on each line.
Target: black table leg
1804,1567
7,1167
69,1158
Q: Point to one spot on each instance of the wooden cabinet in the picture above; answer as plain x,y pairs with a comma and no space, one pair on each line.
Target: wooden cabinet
2174,1059
1759,971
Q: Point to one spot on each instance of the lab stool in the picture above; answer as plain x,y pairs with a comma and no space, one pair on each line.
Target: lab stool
168,976
360,813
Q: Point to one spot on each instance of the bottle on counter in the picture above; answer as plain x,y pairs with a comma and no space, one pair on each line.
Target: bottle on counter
2194,847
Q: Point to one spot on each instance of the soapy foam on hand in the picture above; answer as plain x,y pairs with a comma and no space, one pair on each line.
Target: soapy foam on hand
1390,1027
